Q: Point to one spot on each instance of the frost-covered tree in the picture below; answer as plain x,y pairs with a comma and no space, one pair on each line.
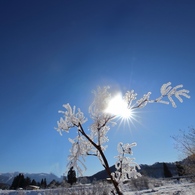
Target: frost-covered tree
103,112
185,144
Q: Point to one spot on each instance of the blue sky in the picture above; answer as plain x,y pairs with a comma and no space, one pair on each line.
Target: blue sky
56,52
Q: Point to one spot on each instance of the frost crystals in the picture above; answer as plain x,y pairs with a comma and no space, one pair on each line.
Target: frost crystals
94,143
166,90
125,166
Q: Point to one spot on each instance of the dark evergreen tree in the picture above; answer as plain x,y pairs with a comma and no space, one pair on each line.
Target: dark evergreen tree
22,181
27,181
71,176
14,183
45,183
180,169
42,183
167,172
18,182
34,183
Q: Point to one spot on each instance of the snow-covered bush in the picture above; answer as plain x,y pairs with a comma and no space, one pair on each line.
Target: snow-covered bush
185,144
103,112
140,183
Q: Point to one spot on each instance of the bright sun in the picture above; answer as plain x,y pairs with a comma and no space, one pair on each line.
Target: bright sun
117,106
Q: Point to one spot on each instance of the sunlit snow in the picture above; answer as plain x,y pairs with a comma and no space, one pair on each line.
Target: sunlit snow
171,187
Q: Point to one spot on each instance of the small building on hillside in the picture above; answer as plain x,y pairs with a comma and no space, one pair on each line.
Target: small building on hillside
32,187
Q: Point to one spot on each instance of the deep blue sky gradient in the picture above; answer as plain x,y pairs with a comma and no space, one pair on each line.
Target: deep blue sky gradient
55,52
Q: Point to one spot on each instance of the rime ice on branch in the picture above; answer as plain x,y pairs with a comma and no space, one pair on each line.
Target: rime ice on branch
94,143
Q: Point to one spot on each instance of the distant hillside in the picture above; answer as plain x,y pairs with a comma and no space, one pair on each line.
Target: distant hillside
156,171
7,178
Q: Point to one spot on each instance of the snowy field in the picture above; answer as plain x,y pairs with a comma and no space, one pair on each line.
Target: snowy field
165,188
174,189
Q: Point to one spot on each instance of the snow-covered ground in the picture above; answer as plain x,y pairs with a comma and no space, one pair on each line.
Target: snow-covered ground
165,188
172,189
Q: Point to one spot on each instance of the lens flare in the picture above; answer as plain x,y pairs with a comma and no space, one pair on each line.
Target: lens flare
117,106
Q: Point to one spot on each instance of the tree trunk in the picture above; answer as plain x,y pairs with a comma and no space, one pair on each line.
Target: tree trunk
106,165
